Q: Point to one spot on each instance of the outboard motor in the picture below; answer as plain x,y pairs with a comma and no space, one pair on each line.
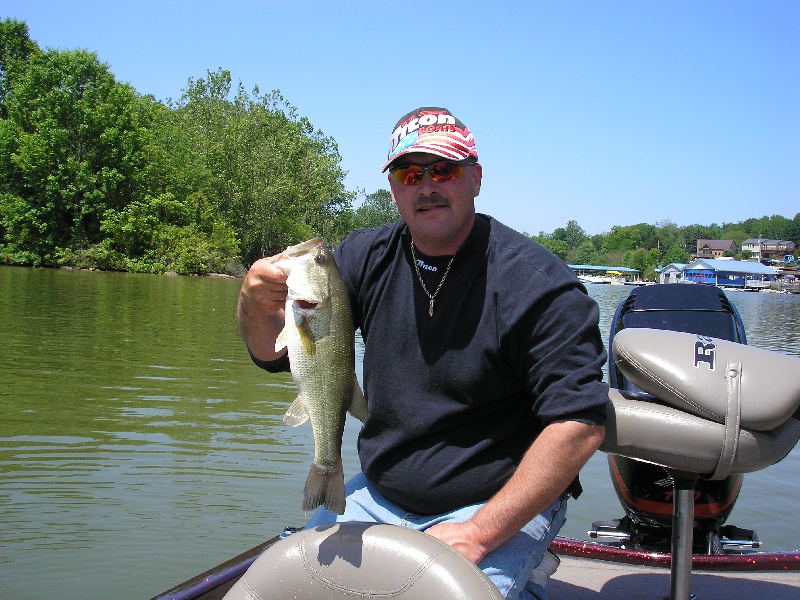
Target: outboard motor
643,489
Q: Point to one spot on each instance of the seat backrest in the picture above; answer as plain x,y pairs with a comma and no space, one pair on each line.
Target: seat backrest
700,309
362,560
688,371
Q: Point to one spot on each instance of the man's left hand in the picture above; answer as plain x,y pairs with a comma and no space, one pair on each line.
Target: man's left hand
464,537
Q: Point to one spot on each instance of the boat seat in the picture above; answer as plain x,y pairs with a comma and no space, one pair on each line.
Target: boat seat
710,408
702,390
362,560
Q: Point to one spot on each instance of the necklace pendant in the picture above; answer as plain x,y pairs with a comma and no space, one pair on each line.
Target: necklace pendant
430,309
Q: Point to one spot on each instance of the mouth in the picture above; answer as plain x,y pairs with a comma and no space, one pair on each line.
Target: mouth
304,247
305,305
429,207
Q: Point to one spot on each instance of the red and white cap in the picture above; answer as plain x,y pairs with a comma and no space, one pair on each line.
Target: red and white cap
433,131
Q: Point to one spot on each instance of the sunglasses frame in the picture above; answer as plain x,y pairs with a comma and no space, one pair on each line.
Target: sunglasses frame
427,169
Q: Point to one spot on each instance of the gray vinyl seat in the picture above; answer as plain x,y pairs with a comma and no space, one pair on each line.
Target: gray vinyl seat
735,410
711,408
362,560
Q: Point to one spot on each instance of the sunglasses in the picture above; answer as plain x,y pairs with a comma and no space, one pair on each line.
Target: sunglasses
440,172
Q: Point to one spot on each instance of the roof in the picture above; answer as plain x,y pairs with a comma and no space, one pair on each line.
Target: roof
602,268
731,266
674,267
766,242
716,244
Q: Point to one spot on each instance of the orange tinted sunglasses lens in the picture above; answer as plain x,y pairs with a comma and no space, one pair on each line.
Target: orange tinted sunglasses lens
441,171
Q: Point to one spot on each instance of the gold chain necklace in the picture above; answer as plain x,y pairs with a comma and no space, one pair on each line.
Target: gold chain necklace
422,283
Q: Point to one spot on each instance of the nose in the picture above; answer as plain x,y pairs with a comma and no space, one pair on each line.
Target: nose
427,185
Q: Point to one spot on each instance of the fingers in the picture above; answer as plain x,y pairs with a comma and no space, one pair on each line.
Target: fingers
264,289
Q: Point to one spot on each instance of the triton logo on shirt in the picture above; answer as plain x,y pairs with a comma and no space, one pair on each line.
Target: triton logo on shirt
422,265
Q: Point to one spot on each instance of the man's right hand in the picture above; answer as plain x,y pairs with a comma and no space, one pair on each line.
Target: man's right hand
260,310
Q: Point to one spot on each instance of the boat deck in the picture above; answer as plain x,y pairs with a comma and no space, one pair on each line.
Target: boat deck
590,571
587,579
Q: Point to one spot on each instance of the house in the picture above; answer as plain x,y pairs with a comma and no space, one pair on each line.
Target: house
671,273
715,248
729,273
761,248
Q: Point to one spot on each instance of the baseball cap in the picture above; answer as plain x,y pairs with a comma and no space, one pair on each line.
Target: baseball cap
431,130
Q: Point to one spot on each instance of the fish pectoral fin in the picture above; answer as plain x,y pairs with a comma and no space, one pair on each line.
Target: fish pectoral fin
358,404
282,340
297,414
306,336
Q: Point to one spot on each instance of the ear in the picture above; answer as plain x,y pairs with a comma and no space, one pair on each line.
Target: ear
390,179
477,177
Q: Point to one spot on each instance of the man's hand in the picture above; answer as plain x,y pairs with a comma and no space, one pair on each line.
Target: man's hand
548,467
259,313
461,536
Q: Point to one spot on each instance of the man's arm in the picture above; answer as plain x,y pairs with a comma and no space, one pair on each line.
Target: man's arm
546,470
260,310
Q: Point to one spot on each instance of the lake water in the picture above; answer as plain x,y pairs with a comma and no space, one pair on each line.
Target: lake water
139,445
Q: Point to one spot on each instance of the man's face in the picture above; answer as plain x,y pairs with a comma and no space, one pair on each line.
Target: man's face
439,215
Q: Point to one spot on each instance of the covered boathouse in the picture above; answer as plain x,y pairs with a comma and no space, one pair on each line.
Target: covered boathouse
729,273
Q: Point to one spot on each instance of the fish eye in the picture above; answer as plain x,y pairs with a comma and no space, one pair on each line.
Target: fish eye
320,259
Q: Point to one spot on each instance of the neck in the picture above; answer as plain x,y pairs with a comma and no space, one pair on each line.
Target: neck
441,246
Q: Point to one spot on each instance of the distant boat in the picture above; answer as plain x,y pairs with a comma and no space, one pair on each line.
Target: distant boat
594,278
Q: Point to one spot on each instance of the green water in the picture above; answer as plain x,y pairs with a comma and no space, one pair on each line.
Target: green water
139,445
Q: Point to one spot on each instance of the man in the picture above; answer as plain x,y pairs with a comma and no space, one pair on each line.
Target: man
482,364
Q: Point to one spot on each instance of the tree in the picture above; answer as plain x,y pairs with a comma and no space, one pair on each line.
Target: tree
573,235
70,150
377,209
675,255
585,254
557,247
268,172
16,48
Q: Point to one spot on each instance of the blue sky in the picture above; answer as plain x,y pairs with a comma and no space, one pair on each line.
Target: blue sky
608,113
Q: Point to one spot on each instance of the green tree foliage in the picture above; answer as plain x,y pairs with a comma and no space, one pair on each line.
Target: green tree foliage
573,235
377,209
557,247
69,151
93,174
273,177
16,48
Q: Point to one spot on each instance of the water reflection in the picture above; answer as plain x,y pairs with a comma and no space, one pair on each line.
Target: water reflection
139,445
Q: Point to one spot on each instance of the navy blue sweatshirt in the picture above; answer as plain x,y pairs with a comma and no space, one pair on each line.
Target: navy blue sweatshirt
457,398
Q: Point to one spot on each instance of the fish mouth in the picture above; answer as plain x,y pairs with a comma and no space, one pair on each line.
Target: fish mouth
305,304
304,247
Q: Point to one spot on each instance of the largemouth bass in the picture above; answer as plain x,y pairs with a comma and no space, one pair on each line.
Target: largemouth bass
321,344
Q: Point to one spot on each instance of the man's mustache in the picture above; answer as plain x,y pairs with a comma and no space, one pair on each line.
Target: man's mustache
436,200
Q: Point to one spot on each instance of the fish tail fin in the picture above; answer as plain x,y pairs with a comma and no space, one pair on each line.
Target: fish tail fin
325,486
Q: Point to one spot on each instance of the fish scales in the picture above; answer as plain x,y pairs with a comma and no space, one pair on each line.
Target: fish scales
321,345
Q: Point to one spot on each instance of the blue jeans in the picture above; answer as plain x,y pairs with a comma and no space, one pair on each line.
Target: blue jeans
509,566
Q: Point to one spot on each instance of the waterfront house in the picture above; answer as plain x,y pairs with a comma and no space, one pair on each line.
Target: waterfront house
763,249
729,273
671,273
715,248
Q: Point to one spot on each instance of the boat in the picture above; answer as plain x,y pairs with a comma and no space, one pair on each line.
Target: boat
597,279
685,426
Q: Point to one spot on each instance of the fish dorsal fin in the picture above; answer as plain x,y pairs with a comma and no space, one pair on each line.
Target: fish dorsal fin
297,414
358,404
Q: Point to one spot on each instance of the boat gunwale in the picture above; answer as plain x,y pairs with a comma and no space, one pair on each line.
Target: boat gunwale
745,562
